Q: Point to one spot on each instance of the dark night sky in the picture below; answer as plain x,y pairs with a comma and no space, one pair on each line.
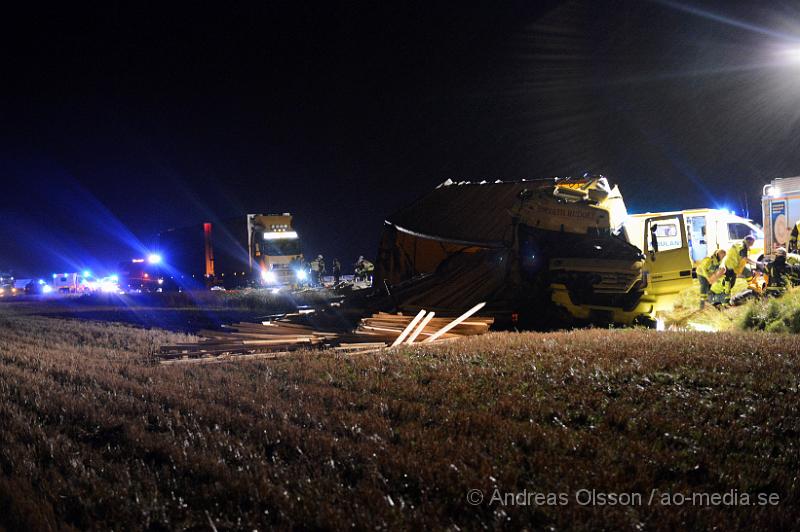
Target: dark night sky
117,123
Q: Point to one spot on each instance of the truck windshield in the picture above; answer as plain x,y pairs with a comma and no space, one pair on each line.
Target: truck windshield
737,231
280,248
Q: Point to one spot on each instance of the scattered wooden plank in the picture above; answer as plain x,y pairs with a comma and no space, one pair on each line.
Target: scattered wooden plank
220,359
421,327
290,333
411,325
455,322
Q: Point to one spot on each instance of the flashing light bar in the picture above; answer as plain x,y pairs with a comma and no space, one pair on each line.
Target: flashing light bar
137,260
280,235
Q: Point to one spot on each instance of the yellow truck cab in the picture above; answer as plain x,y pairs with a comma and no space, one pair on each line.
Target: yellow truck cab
651,285
708,230
517,244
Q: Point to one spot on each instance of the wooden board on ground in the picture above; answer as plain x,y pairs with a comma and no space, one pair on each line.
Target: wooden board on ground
283,336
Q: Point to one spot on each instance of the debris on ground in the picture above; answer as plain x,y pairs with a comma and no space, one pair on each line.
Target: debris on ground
294,332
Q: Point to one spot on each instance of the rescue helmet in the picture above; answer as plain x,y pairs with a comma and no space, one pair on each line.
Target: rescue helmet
750,238
780,252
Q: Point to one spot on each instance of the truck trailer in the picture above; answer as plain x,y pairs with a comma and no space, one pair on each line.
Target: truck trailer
780,208
254,250
533,248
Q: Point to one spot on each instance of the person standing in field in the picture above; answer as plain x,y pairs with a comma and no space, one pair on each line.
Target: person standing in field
364,269
336,269
318,270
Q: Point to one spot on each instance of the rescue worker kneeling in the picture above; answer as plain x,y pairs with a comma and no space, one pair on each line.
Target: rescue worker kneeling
709,272
782,273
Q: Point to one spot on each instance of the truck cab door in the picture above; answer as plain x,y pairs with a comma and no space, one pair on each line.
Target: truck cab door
668,264
698,241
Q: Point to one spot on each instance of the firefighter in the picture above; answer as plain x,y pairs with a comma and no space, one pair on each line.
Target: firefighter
794,237
736,263
709,272
318,270
782,274
336,269
364,269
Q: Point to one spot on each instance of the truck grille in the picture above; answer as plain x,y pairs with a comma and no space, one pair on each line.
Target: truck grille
614,282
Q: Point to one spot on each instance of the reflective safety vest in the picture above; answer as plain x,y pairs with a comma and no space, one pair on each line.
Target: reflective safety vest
708,266
735,259
721,287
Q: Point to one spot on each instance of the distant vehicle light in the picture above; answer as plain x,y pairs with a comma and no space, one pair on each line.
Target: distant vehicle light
154,258
108,286
46,289
41,281
86,273
114,278
268,276
280,235
302,275
137,261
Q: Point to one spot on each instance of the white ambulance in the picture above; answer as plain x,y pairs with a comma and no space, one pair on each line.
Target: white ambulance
708,230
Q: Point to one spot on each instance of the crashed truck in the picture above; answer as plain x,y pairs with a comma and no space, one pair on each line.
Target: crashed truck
539,252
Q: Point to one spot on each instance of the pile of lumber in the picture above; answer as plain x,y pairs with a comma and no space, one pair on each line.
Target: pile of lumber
427,328
280,337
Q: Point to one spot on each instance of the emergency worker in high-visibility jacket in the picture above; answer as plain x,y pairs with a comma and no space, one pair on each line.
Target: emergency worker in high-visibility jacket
737,263
710,270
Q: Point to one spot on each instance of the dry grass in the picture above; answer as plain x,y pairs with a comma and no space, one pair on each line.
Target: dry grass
772,314
686,314
257,300
96,437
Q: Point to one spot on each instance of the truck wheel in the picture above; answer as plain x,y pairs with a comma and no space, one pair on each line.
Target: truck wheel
645,321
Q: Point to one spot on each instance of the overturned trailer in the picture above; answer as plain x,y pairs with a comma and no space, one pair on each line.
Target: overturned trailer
535,250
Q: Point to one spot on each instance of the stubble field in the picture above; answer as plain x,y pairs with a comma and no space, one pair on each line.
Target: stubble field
96,436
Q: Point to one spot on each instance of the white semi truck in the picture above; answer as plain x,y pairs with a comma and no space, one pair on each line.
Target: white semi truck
780,207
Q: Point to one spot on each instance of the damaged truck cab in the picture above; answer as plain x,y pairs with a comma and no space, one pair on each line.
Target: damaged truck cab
618,284
521,245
